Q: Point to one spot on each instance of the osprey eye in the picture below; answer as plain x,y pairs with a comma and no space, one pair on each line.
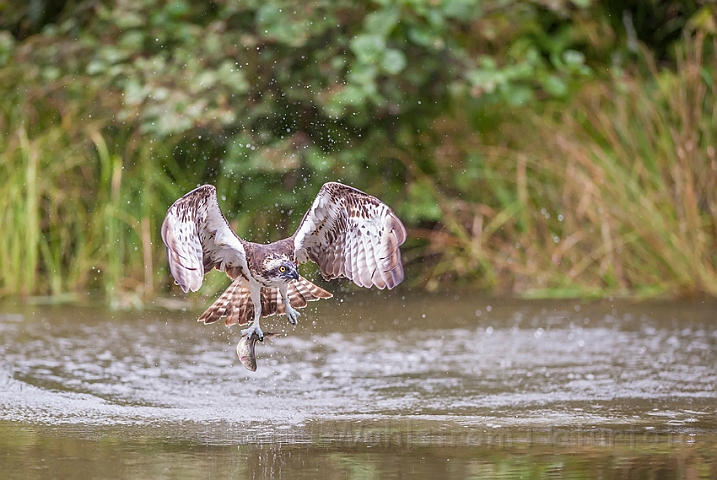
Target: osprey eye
282,269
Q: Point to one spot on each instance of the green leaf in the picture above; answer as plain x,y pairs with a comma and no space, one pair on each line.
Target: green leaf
363,74
132,40
368,48
318,160
487,80
95,67
231,76
555,86
381,22
394,61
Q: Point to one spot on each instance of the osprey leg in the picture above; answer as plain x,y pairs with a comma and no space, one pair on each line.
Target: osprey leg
291,314
255,291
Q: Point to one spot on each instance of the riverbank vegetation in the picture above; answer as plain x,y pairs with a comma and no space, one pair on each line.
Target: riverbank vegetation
532,148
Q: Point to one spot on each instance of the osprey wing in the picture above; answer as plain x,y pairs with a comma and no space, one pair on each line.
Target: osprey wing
198,238
351,234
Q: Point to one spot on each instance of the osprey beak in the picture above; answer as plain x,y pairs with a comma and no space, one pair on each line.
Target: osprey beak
294,274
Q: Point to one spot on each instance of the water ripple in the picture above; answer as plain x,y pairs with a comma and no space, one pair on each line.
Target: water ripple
528,366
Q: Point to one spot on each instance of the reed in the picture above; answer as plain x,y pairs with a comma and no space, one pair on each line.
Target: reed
640,165
612,195
79,203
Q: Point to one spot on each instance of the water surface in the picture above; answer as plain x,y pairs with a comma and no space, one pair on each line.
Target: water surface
365,386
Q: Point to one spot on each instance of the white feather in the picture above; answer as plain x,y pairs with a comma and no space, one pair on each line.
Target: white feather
197,235
345,233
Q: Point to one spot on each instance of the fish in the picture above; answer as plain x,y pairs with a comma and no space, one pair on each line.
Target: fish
245,349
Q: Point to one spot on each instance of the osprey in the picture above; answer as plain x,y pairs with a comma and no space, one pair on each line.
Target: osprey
347,232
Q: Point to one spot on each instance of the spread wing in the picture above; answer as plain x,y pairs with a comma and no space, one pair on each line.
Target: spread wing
351,234
198,238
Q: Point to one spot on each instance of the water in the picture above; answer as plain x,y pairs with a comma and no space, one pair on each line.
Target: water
373,385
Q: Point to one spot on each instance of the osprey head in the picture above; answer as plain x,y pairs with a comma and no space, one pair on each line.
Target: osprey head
280,269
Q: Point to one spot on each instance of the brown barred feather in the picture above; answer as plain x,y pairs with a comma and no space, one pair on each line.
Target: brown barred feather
306,291
235,303
270,301
231,304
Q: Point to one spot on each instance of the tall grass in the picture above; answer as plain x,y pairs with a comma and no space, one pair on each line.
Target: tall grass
641,165
615,194
77,214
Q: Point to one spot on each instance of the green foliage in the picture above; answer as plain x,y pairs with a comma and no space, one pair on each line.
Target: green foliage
270,70
111,110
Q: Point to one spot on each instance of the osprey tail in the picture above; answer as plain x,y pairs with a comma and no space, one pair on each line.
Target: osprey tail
235,303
